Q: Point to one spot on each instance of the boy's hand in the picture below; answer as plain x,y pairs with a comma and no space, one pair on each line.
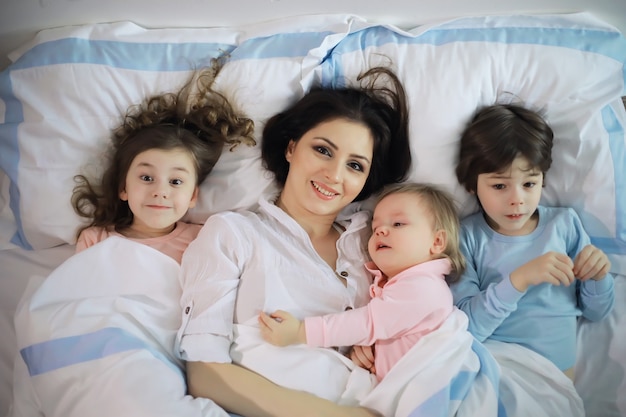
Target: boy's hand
552,267
281,328
591,263
363,356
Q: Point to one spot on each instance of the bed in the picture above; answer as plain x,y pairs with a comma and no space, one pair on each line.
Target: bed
67,87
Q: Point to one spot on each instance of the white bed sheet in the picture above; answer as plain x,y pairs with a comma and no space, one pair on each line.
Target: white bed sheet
16,266
601,360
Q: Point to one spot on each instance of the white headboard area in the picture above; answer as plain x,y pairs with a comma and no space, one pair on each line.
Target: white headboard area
21,19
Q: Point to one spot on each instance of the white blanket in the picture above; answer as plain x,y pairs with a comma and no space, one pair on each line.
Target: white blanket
96,338
449,373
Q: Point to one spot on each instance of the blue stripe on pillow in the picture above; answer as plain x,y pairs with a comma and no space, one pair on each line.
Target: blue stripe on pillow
610,44
126,55
66,351
283,45
164,56
617,134
9,151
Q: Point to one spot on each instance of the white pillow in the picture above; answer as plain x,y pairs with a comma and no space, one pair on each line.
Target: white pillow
70,86
572,67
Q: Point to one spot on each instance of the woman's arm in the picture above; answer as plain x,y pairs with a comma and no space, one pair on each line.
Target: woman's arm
239,390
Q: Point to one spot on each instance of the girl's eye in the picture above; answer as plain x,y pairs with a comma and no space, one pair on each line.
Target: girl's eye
356,166
176,182
146,178
323,150
398,224
530,184
498,186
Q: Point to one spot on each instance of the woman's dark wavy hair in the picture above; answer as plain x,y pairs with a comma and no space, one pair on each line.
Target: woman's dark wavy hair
196,118
498,134
382,109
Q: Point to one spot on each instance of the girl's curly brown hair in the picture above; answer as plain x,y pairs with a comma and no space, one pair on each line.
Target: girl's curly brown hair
196,119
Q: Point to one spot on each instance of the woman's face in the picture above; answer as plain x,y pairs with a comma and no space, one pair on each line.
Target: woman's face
328,166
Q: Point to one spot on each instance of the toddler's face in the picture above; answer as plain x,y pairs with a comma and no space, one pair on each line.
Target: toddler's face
402,233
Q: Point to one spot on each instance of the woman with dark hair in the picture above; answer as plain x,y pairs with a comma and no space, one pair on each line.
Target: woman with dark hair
300,250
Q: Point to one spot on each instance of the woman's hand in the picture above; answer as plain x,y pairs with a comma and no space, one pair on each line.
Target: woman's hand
363,356
281,328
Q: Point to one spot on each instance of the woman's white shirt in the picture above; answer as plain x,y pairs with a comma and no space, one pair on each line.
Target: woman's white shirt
244,262
247,261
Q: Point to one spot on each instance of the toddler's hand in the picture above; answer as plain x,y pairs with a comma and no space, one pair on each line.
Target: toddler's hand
552,267
591,263
281,328
363,356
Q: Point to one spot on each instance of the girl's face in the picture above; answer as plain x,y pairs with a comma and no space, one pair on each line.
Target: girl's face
328,167
160,188
403,234
510,198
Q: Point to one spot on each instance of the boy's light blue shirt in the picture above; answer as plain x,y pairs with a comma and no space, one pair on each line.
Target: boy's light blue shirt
544,317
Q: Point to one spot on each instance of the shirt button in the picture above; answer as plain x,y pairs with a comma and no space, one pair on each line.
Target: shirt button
187,310
344,274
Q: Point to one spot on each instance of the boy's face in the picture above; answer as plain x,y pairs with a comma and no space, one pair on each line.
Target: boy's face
510,198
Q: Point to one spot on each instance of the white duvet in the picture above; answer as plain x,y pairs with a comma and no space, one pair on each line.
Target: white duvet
96,338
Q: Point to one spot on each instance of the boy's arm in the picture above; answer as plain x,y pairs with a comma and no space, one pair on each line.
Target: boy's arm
595,286
596,297
488,308
591,263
